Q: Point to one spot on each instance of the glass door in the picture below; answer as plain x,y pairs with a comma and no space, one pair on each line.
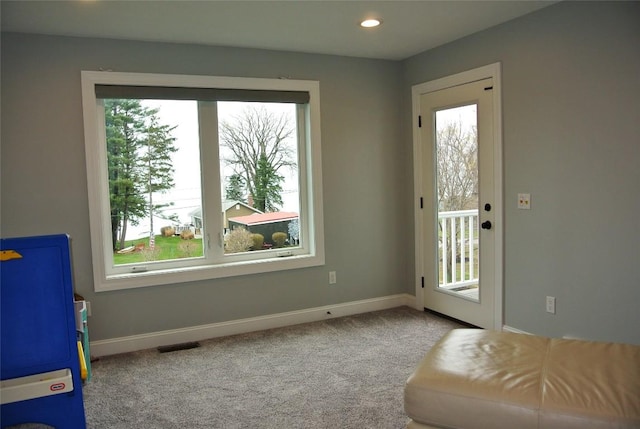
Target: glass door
458,182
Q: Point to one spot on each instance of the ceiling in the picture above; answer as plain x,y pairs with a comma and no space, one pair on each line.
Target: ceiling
320,27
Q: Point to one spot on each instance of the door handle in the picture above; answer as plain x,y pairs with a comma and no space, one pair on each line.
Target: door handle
486,224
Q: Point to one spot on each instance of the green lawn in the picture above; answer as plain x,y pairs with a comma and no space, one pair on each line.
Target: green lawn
165,248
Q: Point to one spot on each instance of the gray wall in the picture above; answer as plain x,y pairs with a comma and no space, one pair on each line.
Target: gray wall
44,187
571,80
571,124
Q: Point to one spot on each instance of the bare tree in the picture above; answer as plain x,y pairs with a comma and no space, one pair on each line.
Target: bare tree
260,146
457,167
457,162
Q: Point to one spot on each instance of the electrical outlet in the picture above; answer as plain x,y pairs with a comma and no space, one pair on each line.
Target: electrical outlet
551,304
332,277
524,201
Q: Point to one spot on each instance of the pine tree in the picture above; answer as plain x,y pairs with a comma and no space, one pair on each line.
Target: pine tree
138,162
235,190
267,187
156,166
125,123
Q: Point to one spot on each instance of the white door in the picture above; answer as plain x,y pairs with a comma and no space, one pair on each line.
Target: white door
459,223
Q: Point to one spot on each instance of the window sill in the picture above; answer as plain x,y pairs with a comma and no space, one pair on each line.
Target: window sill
205,272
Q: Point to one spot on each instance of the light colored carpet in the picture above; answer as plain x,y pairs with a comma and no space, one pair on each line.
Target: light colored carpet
345,372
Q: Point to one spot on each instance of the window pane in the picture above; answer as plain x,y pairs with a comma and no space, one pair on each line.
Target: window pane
154,180
259,176
457,186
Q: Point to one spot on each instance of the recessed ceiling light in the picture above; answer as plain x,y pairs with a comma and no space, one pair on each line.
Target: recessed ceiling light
372,22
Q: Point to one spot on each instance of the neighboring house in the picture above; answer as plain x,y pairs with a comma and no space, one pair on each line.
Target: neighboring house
231,208
196,217
235,209
264,223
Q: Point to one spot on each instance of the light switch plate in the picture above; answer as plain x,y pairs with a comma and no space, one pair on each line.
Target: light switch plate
524,201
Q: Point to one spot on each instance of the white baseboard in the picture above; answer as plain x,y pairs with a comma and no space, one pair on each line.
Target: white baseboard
240,326
517,331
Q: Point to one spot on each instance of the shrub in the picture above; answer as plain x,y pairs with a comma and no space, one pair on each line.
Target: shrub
279,238
258,241
167,231
186,234
238,240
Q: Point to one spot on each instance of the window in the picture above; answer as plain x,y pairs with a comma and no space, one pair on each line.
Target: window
196,177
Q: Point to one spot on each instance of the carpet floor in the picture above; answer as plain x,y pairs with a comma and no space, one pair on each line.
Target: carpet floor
346,372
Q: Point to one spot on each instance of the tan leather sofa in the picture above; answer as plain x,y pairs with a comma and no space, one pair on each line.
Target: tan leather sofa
474,378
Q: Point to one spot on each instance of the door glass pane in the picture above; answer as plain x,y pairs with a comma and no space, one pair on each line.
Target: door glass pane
259,176
154,180
457,188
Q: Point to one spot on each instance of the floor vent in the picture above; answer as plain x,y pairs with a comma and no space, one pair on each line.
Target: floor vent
176,347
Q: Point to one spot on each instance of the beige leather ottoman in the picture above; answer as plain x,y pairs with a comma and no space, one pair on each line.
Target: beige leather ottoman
474,378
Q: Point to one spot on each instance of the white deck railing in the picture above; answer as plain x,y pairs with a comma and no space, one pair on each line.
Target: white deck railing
458,248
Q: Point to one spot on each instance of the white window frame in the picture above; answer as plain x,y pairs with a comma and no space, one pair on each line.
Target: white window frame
311,251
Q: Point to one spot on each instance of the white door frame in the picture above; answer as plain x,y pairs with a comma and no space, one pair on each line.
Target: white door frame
488,71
